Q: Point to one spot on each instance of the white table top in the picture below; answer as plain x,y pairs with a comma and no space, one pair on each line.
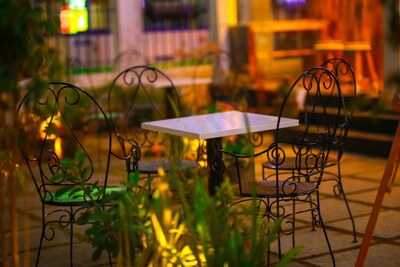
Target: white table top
218,124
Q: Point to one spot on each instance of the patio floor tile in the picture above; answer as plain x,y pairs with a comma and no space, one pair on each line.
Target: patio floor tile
379,255
387,226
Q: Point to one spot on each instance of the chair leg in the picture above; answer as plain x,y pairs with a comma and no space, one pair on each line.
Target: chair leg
312,213
268,245
311,206
340,184
293,222
321,221
41,238
71,237
109,258
279,238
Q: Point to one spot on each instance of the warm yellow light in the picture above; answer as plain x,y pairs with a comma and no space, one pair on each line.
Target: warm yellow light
58,147
161,172
168,240
44,134
65,17
232,12
74,19
192,147
82,21
55,121
169,232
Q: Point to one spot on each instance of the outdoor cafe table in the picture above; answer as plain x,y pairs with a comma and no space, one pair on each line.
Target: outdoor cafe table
212,127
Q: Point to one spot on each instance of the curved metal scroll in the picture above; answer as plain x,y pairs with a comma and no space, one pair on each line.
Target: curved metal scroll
142,85
55,106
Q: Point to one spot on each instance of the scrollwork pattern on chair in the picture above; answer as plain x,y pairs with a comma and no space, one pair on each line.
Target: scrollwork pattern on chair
145,80
55,105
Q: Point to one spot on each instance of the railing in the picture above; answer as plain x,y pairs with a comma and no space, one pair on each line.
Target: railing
171,31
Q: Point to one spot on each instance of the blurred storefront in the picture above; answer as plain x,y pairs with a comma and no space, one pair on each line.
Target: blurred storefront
270,40
86,39
100,36
283,37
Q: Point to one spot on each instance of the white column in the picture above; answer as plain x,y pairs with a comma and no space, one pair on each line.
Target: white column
130,25
223,13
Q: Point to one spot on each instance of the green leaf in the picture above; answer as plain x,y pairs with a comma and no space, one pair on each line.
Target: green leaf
273,230
133,178
212,108
94,230
288,257
80,157
83,218
66,163
56,177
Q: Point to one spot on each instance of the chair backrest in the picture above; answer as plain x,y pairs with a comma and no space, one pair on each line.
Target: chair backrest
54,141
322,126
139,94
344,73
342,68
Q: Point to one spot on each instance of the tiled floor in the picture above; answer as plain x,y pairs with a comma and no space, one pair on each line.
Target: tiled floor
361,180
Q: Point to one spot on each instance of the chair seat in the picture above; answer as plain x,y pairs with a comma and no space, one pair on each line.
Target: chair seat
71,196
152,166
290,164
268,188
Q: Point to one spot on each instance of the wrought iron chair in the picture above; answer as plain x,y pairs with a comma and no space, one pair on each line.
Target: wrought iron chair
345,76
310,152
149,94
60,158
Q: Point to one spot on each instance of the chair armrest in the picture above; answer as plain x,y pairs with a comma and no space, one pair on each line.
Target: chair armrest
130,153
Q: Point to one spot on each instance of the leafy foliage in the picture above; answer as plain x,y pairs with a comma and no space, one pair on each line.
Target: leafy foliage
122,225
24,52
240,145
180,224
74,170
26,59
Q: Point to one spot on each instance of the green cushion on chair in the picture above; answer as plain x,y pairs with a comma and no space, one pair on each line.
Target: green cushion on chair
75,196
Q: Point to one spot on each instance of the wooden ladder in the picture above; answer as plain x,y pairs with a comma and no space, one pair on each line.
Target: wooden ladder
388,179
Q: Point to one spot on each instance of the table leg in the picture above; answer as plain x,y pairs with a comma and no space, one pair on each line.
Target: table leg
215,164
